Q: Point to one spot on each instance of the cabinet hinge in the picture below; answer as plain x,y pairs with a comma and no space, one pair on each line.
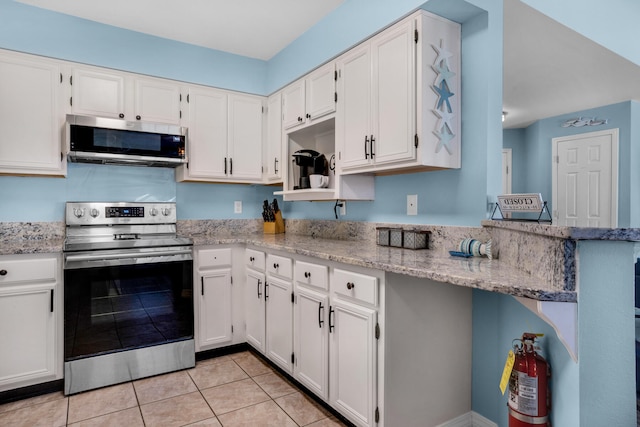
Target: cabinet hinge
188,98
231,328
180,97
377,331
61,156
51,306
263,109
71,80
71,101
335,75
293,358
335,96
292,298
415,140
180,113
232,280
556,159
60,77
415,35
377,416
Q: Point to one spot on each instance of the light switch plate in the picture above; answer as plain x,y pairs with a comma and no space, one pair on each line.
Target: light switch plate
412,204
237,206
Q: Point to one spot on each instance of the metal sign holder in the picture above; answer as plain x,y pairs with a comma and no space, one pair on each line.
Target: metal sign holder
534,207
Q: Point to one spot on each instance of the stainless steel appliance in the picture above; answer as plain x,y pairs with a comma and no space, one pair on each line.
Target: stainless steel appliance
113,141
309,162
128,293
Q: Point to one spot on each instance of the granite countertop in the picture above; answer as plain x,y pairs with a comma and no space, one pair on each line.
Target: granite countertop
474,272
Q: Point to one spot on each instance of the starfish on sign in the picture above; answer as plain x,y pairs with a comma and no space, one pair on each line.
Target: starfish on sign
443,54
446,117
444,93
445,137
444,74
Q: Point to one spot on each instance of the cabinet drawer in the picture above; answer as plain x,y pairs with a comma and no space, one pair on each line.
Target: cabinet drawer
254,259
28,270
213,258
312,274
279,266
354,285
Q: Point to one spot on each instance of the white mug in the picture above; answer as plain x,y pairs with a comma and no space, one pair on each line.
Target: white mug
318,181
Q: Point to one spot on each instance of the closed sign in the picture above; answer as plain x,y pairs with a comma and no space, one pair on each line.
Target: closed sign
520,202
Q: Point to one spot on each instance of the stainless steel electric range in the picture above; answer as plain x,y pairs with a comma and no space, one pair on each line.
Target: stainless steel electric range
128,293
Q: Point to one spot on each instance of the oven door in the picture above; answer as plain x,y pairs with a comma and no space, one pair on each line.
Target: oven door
128,314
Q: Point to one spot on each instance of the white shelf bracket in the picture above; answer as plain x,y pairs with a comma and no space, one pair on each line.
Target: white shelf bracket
563,318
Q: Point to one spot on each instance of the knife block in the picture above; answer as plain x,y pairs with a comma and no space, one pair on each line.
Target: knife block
275,227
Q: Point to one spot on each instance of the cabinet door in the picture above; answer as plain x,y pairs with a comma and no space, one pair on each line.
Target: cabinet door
353,119
98,93
207,138
254,309
279,307
245,138
157,101
311,341
215,308
31,116
293,105
274,145
320,92
393,95
353,361
27,328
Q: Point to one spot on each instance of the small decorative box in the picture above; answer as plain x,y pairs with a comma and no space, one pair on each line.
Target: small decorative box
416,239
382,236
395,237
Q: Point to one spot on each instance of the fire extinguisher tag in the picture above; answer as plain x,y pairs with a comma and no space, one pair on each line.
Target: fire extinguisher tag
506,373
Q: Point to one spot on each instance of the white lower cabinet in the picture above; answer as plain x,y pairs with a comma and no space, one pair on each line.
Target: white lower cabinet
218,303
30,320
279,322
254,300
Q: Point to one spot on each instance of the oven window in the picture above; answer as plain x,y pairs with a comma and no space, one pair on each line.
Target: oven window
110,309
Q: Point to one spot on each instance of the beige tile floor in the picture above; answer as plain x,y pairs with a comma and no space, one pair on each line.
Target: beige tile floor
235,390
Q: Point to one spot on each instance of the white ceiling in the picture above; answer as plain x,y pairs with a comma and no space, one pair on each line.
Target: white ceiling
549,69
253,28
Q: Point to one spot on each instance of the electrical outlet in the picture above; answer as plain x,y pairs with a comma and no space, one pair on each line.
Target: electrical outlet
412,204
343,208
237,206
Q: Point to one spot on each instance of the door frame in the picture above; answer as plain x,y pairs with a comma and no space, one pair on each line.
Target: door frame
615,160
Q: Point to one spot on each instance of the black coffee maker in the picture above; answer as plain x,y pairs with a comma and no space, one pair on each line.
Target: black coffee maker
310,162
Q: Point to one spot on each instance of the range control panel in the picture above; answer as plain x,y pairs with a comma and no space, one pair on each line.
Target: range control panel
111,213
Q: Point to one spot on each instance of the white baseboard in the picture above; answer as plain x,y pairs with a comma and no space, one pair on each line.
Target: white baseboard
470,419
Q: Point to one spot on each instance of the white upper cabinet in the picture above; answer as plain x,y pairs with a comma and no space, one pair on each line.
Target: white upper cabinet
107,93
409,71
274,146
96,92
157,100
225,137
245,138
31,115
310,98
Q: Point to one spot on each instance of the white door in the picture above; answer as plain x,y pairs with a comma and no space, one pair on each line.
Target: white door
215,308
207,138
279,322
311,341
254,309
353,118
353,361
585,180
393,95
245,138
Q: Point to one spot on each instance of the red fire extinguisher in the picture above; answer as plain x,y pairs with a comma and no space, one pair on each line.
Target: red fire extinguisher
529,397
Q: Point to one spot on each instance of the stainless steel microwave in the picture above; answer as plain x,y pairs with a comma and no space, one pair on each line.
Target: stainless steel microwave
115,141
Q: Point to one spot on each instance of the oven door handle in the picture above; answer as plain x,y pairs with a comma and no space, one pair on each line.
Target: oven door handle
123,256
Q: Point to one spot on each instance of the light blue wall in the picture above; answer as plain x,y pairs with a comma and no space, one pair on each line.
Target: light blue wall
33,30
